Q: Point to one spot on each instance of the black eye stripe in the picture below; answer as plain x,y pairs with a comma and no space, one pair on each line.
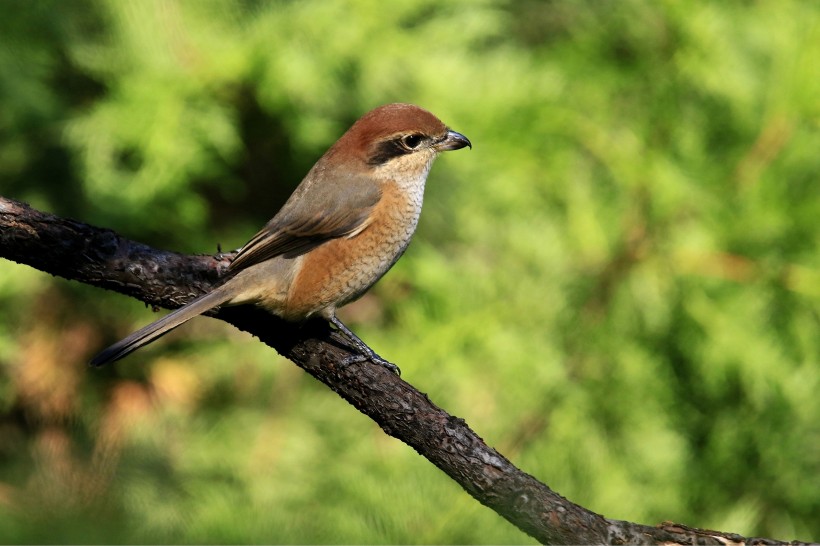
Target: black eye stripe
389,149
385,151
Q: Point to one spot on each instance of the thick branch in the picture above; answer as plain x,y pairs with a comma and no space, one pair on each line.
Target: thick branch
102,258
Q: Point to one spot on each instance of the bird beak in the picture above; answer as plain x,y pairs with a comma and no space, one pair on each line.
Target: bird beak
452,141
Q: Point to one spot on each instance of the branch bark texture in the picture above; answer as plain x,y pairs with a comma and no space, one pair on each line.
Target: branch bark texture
102,258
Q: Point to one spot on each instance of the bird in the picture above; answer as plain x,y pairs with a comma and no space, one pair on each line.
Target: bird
344,226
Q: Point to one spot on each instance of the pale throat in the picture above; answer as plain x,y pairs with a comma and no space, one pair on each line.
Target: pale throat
404,179
409,174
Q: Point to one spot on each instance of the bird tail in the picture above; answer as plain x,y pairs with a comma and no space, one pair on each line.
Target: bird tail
160,327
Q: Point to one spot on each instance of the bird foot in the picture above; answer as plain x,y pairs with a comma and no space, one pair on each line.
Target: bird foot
365,352
374,358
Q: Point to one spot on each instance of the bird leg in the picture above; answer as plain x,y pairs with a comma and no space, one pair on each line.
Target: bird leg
365,352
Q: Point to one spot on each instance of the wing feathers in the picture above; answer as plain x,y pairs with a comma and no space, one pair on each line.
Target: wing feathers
319,215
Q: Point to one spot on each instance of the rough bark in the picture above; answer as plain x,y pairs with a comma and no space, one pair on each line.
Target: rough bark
102,258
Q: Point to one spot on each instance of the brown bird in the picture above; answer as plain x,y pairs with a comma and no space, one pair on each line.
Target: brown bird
343,227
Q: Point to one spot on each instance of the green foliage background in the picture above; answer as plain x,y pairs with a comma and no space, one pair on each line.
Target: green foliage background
618,287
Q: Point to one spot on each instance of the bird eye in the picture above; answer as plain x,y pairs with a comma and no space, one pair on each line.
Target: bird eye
411,142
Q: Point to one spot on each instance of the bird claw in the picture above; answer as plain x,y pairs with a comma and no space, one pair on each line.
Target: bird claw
374,358
365,353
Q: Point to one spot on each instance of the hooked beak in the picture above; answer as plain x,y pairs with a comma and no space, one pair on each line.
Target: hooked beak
452,141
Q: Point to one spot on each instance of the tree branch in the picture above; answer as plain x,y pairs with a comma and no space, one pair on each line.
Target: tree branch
102,258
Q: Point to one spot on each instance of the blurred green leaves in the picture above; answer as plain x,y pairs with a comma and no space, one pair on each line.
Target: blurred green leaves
617,287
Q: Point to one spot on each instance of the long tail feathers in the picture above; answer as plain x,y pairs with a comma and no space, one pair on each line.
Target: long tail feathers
159,328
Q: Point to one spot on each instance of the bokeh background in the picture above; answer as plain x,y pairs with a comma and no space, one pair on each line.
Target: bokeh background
618,287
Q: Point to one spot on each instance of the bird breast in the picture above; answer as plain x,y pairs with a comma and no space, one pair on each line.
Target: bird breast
341,270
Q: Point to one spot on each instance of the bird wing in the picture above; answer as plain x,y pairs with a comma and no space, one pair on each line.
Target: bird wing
314,214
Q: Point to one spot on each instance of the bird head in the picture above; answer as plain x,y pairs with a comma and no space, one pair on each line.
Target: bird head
397,140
